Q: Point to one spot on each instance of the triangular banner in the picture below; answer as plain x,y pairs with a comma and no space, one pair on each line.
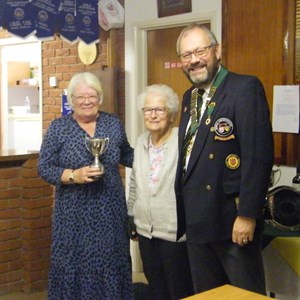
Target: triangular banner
45,16
19,18
67,21
87,21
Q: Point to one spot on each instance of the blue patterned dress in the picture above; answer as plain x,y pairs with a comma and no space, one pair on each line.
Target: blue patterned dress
90,249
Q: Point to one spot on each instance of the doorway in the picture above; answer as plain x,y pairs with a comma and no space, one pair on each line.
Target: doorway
163,64
21,126
138,53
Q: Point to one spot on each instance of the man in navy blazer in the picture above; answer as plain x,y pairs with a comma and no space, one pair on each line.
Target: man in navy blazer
223,177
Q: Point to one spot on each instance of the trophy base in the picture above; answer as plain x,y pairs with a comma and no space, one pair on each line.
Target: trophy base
96,177
101,169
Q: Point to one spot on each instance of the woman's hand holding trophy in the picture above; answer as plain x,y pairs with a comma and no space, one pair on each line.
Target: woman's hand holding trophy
87,174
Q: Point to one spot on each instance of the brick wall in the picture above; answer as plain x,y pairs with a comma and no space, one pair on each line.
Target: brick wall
25,228
37,201
10,230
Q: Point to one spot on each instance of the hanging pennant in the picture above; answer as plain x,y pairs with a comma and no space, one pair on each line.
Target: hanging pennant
87,21
45,17
19,18
66,20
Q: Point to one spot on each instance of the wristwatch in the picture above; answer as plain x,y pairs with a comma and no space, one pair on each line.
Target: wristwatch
71,177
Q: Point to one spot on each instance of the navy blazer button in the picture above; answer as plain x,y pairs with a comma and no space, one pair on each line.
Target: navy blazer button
211,156
208,187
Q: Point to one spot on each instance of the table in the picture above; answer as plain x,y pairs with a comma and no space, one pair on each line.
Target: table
228,292
282,267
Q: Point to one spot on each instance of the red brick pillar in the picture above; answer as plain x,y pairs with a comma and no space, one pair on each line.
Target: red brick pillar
25,226
37,204
10,229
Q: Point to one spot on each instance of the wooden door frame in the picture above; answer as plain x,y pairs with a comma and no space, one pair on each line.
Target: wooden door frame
134,125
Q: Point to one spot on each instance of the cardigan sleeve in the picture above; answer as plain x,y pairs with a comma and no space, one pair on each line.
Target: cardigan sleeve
132,193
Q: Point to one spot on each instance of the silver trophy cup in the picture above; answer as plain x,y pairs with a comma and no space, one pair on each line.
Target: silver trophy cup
97,147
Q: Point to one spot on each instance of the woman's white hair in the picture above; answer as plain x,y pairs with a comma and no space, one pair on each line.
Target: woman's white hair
172,100
90,80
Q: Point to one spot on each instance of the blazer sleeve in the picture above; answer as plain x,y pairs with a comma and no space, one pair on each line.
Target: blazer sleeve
254,132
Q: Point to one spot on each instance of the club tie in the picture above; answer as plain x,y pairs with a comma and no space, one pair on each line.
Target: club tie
196,103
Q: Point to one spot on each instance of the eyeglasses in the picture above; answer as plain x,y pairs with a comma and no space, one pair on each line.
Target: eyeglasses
200,52
158,110
90,98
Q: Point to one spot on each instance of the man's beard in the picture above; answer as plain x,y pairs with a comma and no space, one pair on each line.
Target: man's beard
206,78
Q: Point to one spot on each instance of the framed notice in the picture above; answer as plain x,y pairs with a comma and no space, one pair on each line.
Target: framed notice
173,7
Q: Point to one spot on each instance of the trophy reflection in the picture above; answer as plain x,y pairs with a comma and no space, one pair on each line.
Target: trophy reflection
97,146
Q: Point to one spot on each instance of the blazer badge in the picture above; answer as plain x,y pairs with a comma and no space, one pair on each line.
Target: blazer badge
223,129
232,161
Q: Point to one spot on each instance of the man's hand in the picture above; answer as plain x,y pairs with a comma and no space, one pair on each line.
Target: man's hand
243,230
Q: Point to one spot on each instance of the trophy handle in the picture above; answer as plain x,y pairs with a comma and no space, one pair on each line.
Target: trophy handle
86,139
106,144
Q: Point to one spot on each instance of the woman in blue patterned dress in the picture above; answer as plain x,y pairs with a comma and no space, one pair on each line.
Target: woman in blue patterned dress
90,248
